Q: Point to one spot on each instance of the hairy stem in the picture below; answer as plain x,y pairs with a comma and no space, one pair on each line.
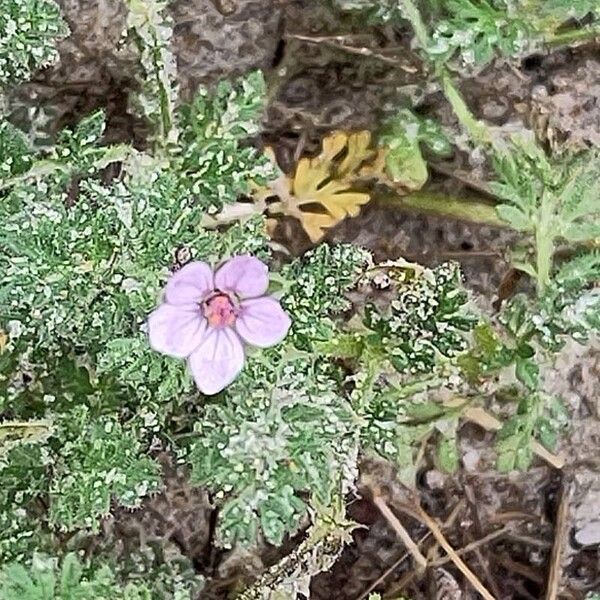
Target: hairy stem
478,130
544,244
430,202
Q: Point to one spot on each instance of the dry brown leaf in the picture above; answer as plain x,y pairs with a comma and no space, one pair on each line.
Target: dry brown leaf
320,193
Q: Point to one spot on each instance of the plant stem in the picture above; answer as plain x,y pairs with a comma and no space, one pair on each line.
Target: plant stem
544,244
424,201
412,14
574,35
478,130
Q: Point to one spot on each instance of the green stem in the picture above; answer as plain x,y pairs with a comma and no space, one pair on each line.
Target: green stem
544,244
478,130
412,14
574,35
424,201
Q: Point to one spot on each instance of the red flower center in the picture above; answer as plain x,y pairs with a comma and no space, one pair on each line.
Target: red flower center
220,311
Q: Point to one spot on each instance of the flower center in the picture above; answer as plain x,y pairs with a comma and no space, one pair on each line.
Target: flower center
220,311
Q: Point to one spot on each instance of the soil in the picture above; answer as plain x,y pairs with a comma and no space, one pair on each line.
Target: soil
504,526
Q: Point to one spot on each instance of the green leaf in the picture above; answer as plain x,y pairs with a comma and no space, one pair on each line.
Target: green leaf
405,165
402,137
15,154
517,318
474,32
581,232
432,135
526,267
580,195
280,513
447,455
70,575
546,433
423,411
505,463
16,584
514,445
527,372
37,581
485,338
514,217
100,460
343,345
525,351
44,577
148,22
580,270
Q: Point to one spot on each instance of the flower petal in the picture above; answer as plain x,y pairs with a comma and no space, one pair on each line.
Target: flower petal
217,361
175,331
262,322
246,276
190,284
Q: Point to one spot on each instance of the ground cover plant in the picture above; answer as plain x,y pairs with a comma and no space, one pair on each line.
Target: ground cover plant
150,319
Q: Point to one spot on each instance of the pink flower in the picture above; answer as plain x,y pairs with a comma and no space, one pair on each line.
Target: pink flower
206,318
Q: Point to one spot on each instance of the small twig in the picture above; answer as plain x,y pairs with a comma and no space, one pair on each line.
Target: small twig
529,540
513,566
559,539
338,42
399,585
394,522
470,547
484,419
516,567
512,515
342,39
472,254
457,560
479,528
391,569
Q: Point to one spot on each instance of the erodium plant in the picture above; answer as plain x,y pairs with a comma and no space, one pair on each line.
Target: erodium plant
108,279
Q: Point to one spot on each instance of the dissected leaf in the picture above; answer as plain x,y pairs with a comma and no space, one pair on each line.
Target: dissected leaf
474,32
550,199
320,193
324,541
29,33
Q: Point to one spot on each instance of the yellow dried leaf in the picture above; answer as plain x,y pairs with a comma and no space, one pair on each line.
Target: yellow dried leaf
19,432
358,153
320,192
